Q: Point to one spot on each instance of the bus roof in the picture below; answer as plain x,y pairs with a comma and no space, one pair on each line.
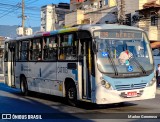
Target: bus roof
80,27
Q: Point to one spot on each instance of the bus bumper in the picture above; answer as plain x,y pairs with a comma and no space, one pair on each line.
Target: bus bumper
104,96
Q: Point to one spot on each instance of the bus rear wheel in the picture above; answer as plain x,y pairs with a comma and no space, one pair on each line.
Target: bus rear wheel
23,86
71,94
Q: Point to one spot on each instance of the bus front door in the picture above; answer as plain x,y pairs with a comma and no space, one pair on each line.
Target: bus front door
86,68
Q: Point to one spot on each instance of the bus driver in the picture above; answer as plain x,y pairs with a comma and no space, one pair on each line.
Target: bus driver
124,57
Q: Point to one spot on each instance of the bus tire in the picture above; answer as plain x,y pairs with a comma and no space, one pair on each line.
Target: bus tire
71,94
23,86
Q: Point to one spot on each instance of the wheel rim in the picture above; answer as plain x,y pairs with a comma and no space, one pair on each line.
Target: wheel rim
71,93
22,87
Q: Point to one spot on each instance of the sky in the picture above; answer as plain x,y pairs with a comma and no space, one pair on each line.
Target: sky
10,11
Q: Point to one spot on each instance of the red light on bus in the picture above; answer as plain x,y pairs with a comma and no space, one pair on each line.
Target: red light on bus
46,34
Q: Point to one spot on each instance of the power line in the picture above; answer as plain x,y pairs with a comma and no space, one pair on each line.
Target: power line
32,1
30,14
11,9
33,17
11,1
19,4
28,1
9,12
4,4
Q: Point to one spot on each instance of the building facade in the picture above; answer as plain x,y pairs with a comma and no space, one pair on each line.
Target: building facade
140,13
144,14
150,20
26,32
52,16
91,12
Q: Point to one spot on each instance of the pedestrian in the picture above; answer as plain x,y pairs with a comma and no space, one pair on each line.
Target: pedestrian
158,75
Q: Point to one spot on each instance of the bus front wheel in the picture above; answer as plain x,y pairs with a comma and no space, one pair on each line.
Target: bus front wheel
23,86
71,94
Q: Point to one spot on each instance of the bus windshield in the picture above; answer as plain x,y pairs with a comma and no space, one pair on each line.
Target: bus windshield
123,51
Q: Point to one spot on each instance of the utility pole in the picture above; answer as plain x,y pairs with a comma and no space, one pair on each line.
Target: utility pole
23,18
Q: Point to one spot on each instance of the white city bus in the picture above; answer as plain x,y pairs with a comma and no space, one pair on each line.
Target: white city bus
102,64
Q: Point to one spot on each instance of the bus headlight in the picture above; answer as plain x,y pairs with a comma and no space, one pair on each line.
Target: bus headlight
106,84
103,82
152,81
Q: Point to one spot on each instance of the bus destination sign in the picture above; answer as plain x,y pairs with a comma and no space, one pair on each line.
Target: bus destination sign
126,35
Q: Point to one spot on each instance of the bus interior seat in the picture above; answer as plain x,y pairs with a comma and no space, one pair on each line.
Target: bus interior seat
132,49
119,49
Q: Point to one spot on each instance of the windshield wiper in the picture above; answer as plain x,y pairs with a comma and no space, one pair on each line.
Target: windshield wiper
112,62
138,64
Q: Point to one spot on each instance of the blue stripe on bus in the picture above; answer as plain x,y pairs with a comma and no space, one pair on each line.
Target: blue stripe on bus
76,74
53,32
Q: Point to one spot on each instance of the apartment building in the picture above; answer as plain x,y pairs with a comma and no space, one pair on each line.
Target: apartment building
52,16
26,32
150,20
143,14
91,12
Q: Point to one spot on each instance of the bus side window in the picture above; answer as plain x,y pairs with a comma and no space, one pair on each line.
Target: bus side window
30,49
45,50
6,52
68,47
24,50
63,43
36,49
17,50
50,48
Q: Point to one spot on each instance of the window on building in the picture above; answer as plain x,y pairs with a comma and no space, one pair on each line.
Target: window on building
68,47
100,4
50,48
105,2
154,20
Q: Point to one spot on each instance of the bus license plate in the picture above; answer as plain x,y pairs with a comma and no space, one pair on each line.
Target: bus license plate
132,94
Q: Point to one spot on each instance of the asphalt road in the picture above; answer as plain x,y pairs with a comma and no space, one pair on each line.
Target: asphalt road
55,108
